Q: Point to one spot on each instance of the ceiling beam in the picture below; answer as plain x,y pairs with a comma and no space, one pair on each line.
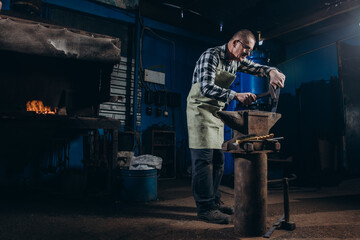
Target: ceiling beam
326,13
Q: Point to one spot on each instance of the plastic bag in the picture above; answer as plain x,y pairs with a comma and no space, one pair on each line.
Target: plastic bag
145,162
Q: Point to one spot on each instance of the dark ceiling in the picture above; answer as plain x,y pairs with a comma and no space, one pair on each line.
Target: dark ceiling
285,20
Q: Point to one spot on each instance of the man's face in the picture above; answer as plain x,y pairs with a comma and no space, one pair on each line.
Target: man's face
243,48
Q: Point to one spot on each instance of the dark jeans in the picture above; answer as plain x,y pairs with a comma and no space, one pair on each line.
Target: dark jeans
207,171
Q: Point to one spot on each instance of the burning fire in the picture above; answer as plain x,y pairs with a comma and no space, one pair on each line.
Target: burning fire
38,107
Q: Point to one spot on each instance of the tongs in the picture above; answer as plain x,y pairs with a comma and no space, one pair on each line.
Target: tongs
271,92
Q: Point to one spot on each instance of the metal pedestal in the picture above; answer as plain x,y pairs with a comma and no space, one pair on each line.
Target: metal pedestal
250,194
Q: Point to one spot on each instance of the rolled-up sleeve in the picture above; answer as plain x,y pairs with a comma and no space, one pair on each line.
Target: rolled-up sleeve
207,67
250,67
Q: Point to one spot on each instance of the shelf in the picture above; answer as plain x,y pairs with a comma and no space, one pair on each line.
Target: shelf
162,144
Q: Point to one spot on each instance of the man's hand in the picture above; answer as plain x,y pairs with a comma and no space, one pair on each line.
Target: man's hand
0,7
277,79
245,98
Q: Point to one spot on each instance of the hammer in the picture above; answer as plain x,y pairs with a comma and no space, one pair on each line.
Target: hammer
271,92
274,95
284,221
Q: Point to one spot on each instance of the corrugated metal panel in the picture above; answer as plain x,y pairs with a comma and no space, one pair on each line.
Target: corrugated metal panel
122,86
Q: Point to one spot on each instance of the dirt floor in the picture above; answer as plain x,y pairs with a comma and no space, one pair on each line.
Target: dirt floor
326,213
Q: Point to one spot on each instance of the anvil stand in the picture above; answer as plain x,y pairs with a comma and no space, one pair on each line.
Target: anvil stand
250,167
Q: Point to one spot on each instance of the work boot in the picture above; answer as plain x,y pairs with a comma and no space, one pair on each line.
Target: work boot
224,209
214,216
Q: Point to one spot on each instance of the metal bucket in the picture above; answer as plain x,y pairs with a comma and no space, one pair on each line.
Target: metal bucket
137,185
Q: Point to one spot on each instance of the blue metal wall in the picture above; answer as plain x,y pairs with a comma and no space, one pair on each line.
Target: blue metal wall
309,61
314,58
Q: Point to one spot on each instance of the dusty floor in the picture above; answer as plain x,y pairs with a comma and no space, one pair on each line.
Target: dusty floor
326,213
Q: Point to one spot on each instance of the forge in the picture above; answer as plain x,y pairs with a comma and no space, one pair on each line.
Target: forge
250,145
63,71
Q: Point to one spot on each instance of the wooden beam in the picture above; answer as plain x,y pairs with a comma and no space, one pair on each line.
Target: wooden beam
326,13
37,38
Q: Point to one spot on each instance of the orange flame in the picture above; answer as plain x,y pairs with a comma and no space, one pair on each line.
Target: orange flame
38,107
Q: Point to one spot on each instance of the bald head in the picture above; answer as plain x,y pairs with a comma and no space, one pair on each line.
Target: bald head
243,34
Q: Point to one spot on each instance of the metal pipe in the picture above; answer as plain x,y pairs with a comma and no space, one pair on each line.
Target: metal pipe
286,199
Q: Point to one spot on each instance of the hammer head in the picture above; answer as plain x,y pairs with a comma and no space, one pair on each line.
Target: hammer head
250,121
290,226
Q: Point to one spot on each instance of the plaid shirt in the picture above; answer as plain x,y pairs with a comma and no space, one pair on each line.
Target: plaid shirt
205,71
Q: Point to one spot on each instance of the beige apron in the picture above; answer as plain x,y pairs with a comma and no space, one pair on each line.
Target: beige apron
205,129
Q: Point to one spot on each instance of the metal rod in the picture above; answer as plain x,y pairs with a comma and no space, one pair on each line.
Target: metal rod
286,199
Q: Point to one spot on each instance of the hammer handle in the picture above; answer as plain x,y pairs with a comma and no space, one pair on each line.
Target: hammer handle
273,227
286,199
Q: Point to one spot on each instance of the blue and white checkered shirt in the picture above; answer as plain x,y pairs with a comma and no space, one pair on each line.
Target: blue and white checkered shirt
205,72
